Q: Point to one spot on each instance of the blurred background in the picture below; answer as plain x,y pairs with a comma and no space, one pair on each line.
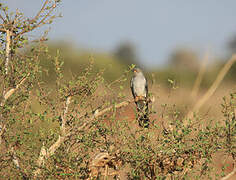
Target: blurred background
168,39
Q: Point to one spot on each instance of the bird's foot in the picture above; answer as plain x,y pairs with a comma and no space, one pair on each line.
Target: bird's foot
139,98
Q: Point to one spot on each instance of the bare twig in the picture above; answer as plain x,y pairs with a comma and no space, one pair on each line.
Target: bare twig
2,18
213,87
41,22
6,15
41,10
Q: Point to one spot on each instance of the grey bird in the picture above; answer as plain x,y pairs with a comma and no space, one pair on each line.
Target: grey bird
139,89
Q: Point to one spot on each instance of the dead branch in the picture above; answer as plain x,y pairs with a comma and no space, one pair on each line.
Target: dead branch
213,87
63,117
15,159
229,175
95,115
199,78
11,91
122,104
45,154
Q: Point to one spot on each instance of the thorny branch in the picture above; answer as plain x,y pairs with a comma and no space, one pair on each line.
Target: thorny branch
45,154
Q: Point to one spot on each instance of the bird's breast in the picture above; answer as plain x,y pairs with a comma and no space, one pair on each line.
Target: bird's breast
139,86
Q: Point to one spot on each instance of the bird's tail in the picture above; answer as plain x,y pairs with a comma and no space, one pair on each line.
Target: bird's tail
142,109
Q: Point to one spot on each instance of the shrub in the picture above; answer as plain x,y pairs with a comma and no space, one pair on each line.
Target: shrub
70,129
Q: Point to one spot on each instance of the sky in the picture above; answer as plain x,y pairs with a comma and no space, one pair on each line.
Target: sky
155,27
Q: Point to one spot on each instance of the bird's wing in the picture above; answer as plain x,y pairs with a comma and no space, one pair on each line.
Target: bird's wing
132,87
146,87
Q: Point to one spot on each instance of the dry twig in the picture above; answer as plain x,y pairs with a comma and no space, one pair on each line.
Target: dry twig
199,78
229,175
11,91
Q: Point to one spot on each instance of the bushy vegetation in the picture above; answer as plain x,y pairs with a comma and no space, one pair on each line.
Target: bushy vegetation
70,127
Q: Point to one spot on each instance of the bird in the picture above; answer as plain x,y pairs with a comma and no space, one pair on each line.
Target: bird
139,89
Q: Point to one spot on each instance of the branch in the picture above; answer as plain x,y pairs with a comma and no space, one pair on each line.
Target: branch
63,117
2,18
41,22
11,91
15,159
95,115
213,87
7,16
45,154
2,130
124,103
41,10
7,51
199,78
229,175
2,30
46,16
5,97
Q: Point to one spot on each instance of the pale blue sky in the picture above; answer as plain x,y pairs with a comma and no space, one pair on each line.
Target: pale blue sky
156,27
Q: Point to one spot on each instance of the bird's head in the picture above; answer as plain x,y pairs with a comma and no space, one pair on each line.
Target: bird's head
137,71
